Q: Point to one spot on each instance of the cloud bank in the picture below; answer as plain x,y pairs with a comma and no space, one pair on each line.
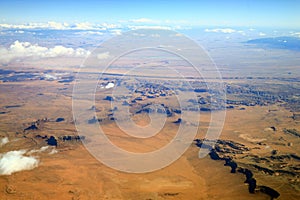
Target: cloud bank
21,50
14,161
61,26
221,30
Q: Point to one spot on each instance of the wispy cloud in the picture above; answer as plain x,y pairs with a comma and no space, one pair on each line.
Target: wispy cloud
297,34
61,26
135,27
144,20
221,30
138,23
21,50
103,56
262,34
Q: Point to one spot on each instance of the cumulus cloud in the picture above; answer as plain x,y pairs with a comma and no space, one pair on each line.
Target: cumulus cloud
143,20
221,30
297,34
102,56
3,141
84,26
21,50
149,27
60,26
89,33
262,34
110,85
19,160
14,161
48,25
116,32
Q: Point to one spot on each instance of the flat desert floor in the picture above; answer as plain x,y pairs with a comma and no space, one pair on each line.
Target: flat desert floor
68,171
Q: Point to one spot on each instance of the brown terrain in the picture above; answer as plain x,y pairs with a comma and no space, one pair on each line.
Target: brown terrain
261,134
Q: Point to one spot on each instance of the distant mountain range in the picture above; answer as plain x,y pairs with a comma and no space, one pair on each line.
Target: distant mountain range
290,43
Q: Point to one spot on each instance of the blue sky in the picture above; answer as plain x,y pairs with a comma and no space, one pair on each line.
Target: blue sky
274,13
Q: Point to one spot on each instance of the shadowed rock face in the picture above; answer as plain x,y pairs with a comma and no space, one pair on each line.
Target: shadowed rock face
41,137
178,121
93,120
224,149
52,141
214,155
231,163
269,191
72,138
60,119
32,127
252,185
247,173
109,98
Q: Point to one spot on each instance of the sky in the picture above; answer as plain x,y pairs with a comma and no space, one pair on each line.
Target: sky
270,13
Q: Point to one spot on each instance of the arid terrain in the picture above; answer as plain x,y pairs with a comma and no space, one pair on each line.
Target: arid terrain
260,137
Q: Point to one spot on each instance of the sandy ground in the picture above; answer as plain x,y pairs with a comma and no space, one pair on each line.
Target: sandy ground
73,173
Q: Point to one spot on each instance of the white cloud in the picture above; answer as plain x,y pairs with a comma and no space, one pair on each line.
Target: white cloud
3,141
57,25
61,26
262,34
241,32
89,33
116,32
297,34
20,31
42,149
155,35
132,24
221,30
143,20
149,27
14,161
84,26
46,149
110,26
102,56
21,50
48,25
178,35
53,151
110,85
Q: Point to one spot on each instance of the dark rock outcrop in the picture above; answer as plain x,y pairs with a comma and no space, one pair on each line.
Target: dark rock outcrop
72,138
109,98
41,137
214,155
269,191
92,121
60,119
178,121
248,173
231,163
292,132
252,185
52,141
32,127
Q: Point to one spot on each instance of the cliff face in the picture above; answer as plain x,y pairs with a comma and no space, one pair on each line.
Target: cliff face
227,150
